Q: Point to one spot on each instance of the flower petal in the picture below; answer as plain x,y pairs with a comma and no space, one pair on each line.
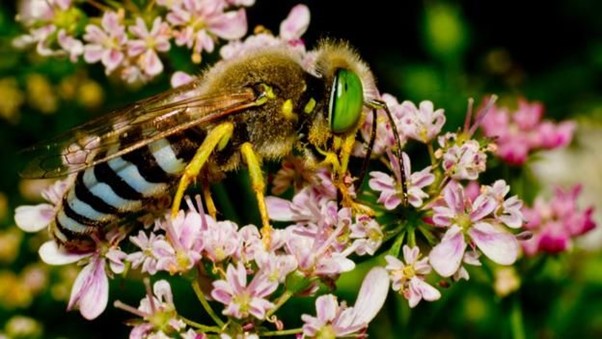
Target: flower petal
180,78
497,244
34,218
326,307
90,291
231,25
428,292
372,295
279,209
52,254
445,257
296,23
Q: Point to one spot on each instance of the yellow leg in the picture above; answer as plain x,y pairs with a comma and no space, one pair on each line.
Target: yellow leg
346,150
340,164
211,210
258,185
217,138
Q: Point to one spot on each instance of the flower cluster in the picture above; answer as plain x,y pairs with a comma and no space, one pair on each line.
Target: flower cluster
555,223
130,42
519,132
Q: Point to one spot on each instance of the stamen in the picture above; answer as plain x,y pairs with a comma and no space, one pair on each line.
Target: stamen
149,294
482,113
468,117
128,308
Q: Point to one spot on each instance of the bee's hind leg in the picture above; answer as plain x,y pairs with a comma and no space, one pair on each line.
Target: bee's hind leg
218,137
258,185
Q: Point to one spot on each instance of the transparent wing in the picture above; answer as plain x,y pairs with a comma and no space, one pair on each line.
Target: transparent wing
129,128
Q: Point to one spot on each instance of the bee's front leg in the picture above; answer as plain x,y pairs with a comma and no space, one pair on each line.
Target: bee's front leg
258,185
218,137
343,180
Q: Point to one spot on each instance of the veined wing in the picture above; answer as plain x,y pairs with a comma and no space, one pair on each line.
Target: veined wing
129,128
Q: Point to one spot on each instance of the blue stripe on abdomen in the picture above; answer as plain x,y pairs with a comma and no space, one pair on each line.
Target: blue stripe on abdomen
106,193
129,173
68,223
85,210
166,158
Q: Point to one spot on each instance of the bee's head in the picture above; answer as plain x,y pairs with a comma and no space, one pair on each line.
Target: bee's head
349,85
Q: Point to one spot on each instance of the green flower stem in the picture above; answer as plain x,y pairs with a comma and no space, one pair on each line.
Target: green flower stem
516,319
206,306
281,300
396,248
411,238
431,153
100,6
204,328
282,332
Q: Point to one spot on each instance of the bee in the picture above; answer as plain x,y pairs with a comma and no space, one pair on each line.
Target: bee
263,105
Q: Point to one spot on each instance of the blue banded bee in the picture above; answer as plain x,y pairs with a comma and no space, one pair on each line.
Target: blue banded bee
263,105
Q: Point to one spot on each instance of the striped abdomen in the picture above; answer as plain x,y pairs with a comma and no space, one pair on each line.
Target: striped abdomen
105,193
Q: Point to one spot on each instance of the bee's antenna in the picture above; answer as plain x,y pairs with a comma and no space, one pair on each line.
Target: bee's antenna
379,104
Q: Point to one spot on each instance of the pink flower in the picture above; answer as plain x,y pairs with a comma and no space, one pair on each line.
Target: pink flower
337,320
31,12
316,256
251,244
295,25
318,246
306,207
367,235
275,267
72,46
409,278
44,19
221,239
522,131
90,291
385,139
291,30
152,246
556,223
35,218
464,160
180,78
509,210
106,44
183,233
391,192
158,312
472,220
241,300
148,43
423,123
199,22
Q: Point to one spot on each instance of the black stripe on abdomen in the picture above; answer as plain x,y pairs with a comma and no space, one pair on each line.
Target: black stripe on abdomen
83,193
69,212
105,174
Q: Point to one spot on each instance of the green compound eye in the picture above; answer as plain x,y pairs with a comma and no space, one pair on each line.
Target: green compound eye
346,101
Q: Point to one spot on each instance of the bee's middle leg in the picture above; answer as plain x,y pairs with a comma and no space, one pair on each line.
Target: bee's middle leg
258,185
218,137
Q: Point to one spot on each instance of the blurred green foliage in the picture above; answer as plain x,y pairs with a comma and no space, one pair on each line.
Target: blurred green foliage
441,51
